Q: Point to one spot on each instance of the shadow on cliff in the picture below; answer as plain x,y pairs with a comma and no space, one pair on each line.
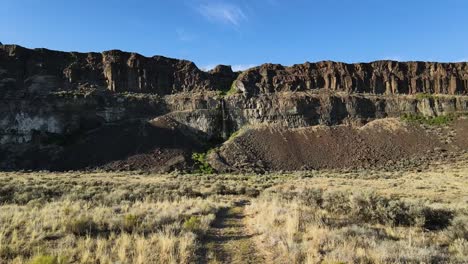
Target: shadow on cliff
158,145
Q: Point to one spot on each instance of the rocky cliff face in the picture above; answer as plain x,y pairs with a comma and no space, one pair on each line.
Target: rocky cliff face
45,70
379,77
217,116
54,102
40,71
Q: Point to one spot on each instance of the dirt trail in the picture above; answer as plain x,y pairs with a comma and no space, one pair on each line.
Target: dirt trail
229,241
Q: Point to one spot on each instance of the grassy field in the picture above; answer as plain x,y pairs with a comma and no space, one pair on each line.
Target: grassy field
304,217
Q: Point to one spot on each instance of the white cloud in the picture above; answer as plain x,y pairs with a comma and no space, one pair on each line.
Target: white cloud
222,12
462,60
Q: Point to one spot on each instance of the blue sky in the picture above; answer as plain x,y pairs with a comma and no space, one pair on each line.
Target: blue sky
243,33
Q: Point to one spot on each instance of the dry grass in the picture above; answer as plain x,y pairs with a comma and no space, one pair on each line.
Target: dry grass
366,217
100,217
304,217
90,232
298,232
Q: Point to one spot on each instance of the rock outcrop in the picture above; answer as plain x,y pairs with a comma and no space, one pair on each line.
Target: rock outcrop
54,103
301,109
46,70
379,77
42,70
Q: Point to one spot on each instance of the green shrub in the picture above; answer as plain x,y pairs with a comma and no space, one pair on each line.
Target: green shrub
202,166
398,213
193,224
429,120
47,259
369,207
232,90
234,135
422,96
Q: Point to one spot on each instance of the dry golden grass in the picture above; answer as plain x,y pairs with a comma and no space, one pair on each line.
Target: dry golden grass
304,217
101,218
109,217
90,232
366,217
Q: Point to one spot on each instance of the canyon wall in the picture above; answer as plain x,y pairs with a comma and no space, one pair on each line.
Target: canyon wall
44,70
51,101
379,77
40,71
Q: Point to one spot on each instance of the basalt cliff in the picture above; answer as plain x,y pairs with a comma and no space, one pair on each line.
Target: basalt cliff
120,110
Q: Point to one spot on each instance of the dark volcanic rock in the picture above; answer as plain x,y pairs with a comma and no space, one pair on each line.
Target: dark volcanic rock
119,71
70,110
376,144
223,76
379,77
25,69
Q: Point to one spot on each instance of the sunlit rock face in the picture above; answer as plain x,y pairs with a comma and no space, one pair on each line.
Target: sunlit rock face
379,77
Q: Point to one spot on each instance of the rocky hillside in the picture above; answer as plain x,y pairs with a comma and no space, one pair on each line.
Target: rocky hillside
119,110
